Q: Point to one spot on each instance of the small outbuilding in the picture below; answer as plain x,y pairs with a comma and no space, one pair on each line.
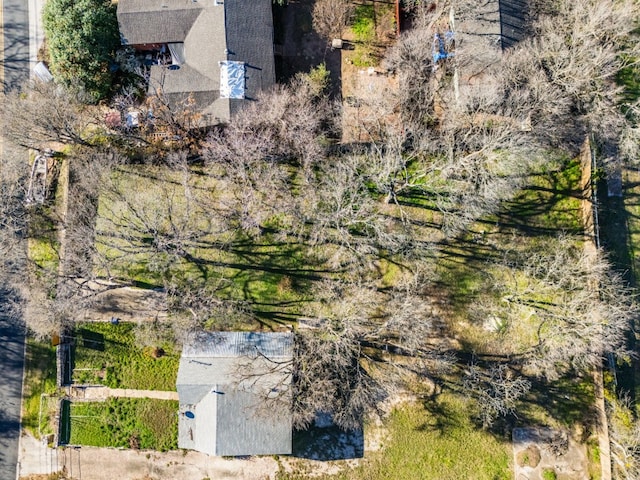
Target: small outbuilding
235,396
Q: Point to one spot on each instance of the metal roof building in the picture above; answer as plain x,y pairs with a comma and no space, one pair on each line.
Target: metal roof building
208,40
235,395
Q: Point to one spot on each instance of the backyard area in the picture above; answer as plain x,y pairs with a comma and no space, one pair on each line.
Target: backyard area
431,440
168,236
440,437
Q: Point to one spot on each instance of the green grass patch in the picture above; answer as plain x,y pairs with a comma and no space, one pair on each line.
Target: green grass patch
547,206
561,404
363,56
434,441
273,275
124,422
593,456
364,26
42,243
629,78
112,355
441,442
39,382
44,253
549,203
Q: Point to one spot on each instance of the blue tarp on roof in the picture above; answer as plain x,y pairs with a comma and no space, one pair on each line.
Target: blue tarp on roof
232,79
442,45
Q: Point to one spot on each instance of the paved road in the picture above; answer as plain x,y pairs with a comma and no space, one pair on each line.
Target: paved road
11,366
15,18
14,71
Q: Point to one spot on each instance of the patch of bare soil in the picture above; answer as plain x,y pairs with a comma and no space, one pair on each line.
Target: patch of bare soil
529,457
538,451
367,89
126,303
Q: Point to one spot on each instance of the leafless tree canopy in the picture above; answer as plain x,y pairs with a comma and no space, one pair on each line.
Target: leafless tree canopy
277,173
330,17
624,437
42,113
545,93
497,391
575,301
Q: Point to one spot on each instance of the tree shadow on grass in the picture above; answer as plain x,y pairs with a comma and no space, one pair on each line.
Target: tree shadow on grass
544,205
443,418
328,443
89,339
569,401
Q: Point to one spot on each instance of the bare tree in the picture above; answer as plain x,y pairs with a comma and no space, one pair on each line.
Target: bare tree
205,305
624,437
330,17
267,153
547,92
43,112
580,57
13,228
284,125
362,344
496,391
575,303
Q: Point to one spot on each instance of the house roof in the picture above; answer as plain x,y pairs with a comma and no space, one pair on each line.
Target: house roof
212,31
234,391
237,344
156,21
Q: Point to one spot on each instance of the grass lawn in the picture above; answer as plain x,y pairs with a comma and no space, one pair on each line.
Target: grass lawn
124,422
432,441
40,381
469,266
273,275
547,206
111,355
439,441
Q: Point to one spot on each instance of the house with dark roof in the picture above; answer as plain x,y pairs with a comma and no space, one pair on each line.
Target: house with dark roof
218,52
234,391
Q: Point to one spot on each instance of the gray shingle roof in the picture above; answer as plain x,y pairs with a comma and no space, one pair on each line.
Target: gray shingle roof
513,21
239,30
236,344
237,387
163,26
250,40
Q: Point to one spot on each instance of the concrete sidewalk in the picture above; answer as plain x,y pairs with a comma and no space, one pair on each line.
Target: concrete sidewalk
92,463
36,32
99,393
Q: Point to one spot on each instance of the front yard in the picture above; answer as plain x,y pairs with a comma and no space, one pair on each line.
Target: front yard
138,423
169,235
39,388
118,357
